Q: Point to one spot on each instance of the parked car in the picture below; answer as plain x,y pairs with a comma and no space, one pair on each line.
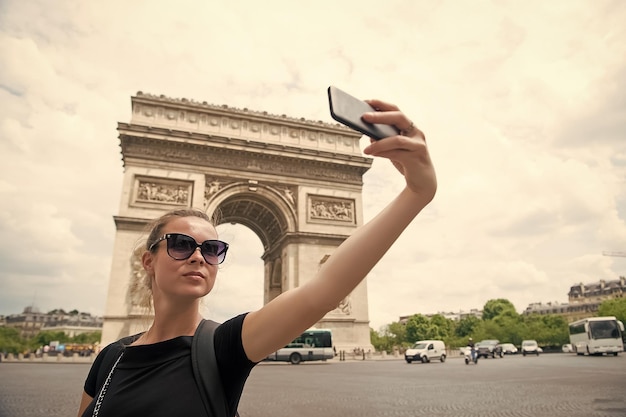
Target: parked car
567,348
425,350
530,347
489,347
508,348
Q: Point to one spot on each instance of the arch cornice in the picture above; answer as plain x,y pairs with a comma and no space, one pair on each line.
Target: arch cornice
140,151
224,120
130,223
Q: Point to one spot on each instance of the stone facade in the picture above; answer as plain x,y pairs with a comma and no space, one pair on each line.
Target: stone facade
597,291
295,183
584,299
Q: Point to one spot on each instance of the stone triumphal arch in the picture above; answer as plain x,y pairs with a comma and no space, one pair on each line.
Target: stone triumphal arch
295,183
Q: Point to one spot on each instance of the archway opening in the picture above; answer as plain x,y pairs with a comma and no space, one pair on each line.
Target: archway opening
240,280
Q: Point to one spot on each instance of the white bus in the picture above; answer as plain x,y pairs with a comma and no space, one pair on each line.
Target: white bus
597,335
312,345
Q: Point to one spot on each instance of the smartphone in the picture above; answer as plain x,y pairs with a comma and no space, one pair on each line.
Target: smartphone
348,110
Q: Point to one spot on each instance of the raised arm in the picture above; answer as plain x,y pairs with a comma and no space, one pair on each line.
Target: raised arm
292,312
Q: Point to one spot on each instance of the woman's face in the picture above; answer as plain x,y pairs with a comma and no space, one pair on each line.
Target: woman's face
188,279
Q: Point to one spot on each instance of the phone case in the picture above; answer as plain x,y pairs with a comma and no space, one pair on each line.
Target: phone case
348,110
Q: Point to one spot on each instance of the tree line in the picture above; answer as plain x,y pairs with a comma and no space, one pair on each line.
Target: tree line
12,342
499,321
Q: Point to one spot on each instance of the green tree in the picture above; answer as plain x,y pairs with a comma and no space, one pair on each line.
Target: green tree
417,328
467,326
44,338
509,328
556,330
615,307
548,330
397,333
497,307
10,341
444,326
389,337
92,337
378,341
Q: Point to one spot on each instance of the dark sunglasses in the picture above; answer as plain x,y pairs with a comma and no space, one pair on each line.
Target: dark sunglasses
181,247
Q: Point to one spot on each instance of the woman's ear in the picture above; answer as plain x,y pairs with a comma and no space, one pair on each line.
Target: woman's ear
147,260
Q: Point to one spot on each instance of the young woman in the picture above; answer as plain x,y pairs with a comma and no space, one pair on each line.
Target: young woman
153,373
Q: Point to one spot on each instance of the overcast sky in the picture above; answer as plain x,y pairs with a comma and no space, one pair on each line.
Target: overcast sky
523,104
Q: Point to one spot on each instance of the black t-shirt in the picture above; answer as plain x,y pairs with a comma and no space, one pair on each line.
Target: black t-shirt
157,379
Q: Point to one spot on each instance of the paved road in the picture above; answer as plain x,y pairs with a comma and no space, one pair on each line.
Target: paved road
546,386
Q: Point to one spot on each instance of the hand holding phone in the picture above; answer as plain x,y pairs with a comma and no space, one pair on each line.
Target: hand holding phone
349,110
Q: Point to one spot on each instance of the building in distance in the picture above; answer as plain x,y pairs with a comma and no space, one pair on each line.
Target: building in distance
32,321
584,299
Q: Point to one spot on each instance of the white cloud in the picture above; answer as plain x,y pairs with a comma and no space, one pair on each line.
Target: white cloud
522,104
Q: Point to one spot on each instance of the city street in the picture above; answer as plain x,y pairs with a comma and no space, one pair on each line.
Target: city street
550,385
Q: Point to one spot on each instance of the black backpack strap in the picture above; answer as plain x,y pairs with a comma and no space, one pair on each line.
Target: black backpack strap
107,363
111,355
205,371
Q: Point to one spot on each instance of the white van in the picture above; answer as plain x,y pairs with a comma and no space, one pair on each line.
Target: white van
425,351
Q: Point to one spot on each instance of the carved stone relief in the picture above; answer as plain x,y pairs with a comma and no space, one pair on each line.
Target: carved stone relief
290,196
161,191
330,209
139,295
213,186
288,192
344,307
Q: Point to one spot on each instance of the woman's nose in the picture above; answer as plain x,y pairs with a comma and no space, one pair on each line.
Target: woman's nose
196,256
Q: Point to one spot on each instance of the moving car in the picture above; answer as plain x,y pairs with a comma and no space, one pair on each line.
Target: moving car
425,350
489,347
530,347
508,348
567,348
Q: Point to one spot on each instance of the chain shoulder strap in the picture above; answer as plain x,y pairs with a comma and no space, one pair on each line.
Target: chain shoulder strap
105,386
